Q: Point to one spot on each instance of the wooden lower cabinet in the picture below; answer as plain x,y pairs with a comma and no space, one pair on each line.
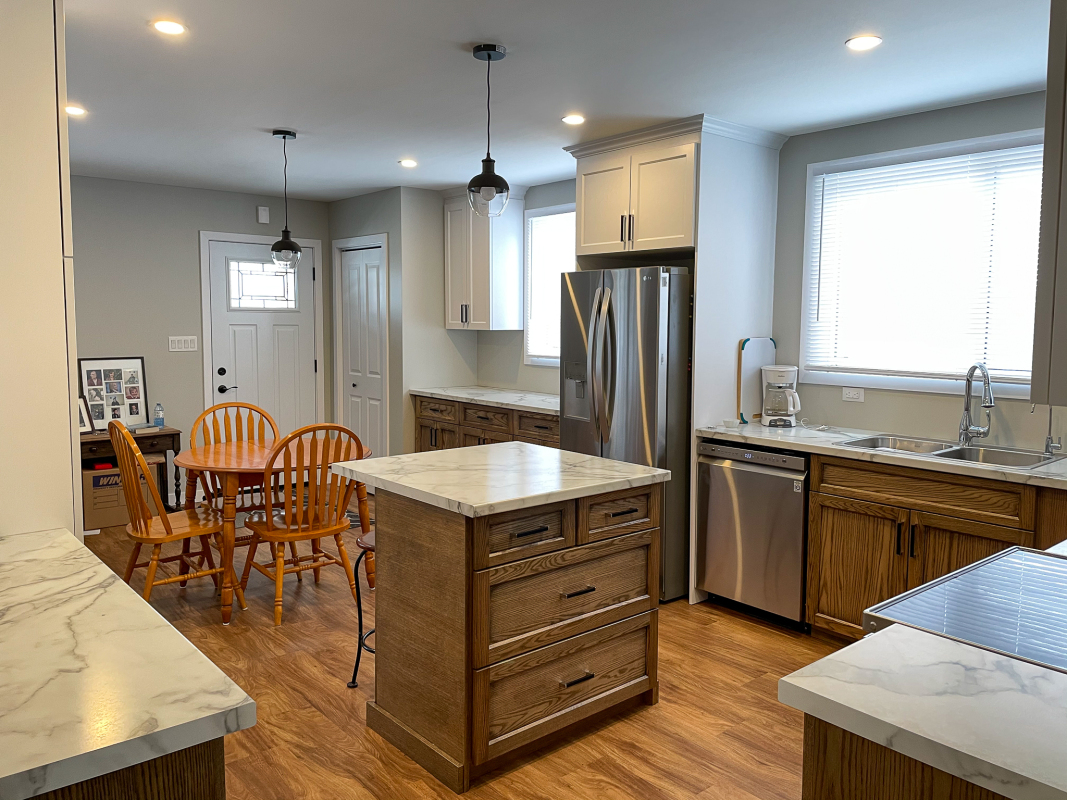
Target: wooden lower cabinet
432,435
442,425
939,545
472,437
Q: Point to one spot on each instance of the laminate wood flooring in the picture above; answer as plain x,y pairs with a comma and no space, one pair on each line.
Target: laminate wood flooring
718,732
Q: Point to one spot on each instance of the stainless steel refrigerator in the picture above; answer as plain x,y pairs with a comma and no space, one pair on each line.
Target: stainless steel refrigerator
624,385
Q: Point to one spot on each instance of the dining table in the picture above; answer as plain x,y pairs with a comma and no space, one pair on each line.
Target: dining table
230,462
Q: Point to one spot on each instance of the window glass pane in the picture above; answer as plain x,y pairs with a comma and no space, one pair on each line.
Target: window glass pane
923,268
260,285
549,253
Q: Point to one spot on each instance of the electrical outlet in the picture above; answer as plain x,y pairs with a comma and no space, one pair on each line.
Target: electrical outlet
182,344
851,395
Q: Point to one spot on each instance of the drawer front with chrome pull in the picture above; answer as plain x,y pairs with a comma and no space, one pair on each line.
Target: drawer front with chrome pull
625,511
515,535
486,418
547,598
539,426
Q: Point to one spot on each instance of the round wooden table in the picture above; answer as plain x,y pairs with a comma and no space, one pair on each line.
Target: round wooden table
230,461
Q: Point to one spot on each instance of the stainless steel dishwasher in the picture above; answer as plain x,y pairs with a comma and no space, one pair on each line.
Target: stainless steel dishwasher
751,512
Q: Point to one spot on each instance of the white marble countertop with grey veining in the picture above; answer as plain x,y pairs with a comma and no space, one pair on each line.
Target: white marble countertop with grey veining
536,402
492,478
92,679
827,443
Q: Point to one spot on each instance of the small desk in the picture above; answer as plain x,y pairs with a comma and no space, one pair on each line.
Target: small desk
98,445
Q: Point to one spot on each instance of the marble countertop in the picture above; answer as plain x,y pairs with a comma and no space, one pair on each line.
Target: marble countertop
536,402
992,720
92,679
827,443
492,478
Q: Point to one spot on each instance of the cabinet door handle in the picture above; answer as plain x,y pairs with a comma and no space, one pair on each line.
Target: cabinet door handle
623,513
911,542
622,228
588,676
577,592
900,533
433,437
463,313
532,531
631,229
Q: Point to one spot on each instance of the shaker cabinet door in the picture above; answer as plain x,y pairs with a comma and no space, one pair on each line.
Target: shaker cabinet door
603,204
938,545
457,263
662,192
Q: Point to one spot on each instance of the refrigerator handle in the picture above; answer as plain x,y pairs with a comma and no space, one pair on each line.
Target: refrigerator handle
592,355
610,366
600,374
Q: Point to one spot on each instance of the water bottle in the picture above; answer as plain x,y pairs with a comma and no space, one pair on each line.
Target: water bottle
157,415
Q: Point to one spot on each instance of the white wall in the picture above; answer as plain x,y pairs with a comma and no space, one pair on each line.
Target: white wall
138,276
500,359
933,415
36,471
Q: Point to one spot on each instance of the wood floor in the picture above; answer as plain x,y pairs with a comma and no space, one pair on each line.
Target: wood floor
718,733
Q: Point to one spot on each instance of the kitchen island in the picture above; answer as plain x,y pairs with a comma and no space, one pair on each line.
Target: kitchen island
516,597
99,696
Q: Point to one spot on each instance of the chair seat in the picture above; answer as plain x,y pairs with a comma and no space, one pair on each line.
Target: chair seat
199,521
257,521
365,541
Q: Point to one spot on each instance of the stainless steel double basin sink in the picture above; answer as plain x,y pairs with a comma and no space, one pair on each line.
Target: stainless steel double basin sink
993,456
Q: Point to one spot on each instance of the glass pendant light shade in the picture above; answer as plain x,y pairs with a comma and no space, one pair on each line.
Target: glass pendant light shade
488,192
285,252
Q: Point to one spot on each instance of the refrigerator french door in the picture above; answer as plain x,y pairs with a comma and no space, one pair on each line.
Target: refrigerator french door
624,385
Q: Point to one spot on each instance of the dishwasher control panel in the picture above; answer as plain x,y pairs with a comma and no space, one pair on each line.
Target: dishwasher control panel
753,456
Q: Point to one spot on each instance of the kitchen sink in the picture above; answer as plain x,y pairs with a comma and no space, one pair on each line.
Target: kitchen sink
998,456
900,443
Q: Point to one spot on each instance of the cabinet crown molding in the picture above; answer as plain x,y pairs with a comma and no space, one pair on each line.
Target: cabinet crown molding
699,123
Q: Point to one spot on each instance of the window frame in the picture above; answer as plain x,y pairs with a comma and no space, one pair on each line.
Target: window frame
528,214
916,382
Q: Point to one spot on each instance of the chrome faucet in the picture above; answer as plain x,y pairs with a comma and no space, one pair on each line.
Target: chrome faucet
969,431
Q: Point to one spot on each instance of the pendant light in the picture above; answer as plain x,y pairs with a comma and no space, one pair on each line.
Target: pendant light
487,191
285,252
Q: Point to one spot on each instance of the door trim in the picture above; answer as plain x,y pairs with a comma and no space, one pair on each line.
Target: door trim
315,245
338,247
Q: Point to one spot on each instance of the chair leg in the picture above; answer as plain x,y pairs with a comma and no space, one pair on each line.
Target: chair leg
205,555
249,560
352,684
132,563
316,550
296,559
183,565
368,567
279,575
343,553
151,577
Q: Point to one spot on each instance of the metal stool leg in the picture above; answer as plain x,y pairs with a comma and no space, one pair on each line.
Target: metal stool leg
352,684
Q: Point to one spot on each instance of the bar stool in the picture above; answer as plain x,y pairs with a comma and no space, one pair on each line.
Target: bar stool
365,543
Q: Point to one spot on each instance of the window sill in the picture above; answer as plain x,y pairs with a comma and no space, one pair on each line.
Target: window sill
540,361
1014,391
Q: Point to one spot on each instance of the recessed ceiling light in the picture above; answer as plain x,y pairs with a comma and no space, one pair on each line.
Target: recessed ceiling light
169,27
865,42
574,119
75,111
408,162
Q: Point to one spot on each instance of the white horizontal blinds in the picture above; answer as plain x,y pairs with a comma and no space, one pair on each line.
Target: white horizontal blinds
923,268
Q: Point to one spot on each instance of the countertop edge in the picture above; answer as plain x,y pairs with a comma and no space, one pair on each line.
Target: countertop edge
439,394
120,755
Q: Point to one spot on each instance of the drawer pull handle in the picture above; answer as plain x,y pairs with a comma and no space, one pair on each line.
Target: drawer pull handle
623,513
586,590
588,676
542,427
532,531
482,417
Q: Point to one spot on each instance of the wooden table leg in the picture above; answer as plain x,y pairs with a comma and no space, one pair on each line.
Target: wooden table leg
191,477
177,486
230,483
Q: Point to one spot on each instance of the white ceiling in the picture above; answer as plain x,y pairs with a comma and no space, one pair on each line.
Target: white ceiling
367,83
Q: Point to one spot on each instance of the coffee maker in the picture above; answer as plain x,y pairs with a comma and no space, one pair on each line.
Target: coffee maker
780,399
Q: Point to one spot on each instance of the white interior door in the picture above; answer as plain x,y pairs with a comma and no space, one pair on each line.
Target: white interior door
263,332
364,319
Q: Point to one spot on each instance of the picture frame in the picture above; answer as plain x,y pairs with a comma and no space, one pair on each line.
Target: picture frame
85,420
114,388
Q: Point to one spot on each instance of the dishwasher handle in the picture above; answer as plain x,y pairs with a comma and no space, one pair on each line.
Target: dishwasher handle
742,466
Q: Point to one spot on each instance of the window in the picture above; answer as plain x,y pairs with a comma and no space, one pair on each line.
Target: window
259,285
549,253
919,264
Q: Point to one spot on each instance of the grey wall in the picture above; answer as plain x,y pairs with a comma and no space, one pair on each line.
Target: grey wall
934,415
137,275
500,352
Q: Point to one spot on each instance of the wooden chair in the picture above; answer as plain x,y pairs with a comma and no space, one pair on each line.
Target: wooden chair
201,522
234,422
365,543
299,513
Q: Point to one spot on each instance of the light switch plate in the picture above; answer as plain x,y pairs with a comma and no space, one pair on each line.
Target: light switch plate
182,344
263,214
851,395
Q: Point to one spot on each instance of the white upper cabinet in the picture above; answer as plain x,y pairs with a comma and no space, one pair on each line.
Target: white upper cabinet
483,267
639,198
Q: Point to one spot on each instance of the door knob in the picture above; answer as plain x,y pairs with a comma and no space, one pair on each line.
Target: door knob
354,385
223,388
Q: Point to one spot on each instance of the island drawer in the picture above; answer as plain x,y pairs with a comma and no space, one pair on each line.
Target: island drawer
514,535
606,515
429,408
486,418
532,603
534,440
522,699
541,426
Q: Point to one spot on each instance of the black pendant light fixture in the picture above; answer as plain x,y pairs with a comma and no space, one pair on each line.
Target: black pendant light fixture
487,191
285,252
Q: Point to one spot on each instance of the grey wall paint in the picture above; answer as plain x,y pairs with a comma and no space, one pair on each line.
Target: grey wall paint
922,414
137,275
500,359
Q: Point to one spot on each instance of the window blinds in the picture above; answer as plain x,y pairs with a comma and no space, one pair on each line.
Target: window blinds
920,269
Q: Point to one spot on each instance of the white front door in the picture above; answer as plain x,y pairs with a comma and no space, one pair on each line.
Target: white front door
263,332
364,314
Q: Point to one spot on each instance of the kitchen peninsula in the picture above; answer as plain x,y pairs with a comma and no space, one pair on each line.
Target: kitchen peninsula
99,695
516,595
